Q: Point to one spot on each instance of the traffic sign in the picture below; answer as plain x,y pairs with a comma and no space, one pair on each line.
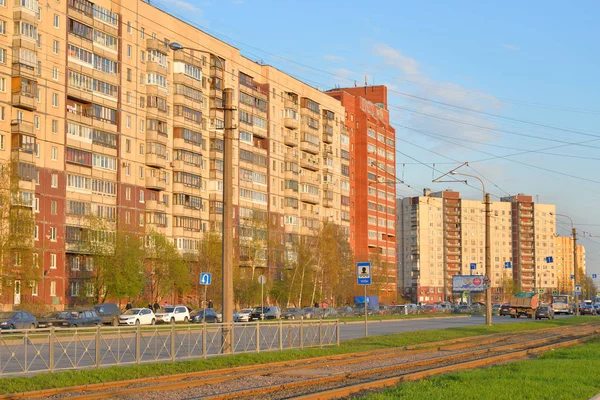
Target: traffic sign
363,273
549,259
577,289
473,266
594,276
541,291
572,276
507,265
554,292
262,279
205,278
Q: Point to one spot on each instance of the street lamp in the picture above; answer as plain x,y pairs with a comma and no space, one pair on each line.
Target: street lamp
227,228
488,253
575,263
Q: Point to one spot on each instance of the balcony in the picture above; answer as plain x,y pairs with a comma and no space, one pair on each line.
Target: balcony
21,127
290,138
154,205
452,235
159,45
525,207
215,92
154,160
309,147
290,157
290,102
311,163
453,252
527,262
24,101
526,246
526,223
328,137
309,198
156,136
155,183
328,203
453,243
22,155
452,212
20,69
453,228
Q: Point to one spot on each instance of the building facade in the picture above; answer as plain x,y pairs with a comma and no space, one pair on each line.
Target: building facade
441,235
104,118
565,265
370,171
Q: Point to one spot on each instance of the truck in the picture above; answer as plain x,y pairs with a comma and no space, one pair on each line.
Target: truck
524,304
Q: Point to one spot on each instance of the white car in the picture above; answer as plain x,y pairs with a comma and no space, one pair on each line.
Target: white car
172,314
137,316
243,315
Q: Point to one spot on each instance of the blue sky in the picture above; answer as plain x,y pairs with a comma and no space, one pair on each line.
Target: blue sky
461,74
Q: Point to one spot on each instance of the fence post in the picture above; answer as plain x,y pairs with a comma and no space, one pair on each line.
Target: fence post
232,337
97,346
173,342
301,334
321,333
138,344
258,336
337,331
25,340
204,339
51,348
280,334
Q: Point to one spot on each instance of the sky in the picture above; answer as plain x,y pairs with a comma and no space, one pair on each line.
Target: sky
510,87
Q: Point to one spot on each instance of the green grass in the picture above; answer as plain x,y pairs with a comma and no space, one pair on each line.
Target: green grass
80,377
564,374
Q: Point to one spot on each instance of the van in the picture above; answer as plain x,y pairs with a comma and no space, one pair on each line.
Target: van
109,313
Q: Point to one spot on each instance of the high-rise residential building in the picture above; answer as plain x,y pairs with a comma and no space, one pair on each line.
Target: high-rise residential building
104,118
441,235
369,170
565,265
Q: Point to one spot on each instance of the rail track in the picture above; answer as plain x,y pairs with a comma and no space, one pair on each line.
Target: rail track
333,376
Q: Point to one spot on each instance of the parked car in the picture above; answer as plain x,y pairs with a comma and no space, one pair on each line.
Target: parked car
370,310
384,310
462,309
50,319
17,320
198,316
544,312
329,312
586,309
137,316
270,312
172,314
597,305
292,313
311,312
345,311
399,309
412,308
79,318
108,313
504,309
243,315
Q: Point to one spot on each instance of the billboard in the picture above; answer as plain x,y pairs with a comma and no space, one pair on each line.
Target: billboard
471,283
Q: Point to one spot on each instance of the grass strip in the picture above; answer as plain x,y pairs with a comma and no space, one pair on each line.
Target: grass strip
564,374
119,373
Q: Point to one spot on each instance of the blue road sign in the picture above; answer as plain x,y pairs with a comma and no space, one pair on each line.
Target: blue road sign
363,273
594,276
205,278
507,265
572,276
549,259
577,289
473,266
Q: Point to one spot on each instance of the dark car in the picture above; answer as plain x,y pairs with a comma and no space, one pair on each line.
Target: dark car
109,313
197,316
586,309
345,311
504,309
17,320
50,319
311,312
544,312
79,318
270,312
329,312
292,313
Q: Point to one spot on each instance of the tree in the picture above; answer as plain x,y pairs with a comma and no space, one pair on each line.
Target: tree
167,269
209,258
509,286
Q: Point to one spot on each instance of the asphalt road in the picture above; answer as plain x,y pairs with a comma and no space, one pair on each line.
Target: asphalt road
31,355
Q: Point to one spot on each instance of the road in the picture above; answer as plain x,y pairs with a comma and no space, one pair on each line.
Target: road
75,349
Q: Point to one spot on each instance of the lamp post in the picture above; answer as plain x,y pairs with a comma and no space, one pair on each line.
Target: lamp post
227,229
488,253
575,261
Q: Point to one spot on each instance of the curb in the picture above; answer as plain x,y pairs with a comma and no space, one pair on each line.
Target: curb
406,320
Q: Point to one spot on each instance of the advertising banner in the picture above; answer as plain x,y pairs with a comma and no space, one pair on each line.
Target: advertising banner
471,283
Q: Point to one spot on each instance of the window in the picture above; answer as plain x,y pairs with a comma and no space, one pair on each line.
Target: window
129,27
36,122
128,145
52,234
34,288
127,193
53,288
54,153
52,261
141,196
1,140
74,289
54,180
55,46
2,84
129,50
54,100
56,21
2,56
54,126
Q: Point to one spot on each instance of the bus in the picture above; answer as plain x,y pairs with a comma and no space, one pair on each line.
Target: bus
562,304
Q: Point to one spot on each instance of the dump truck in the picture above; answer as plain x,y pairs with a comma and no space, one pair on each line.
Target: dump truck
523,304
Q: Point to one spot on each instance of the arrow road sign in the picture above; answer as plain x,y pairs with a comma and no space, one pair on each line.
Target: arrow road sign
549,259
594,276
205,278
473,266
572,276
363,273
507,264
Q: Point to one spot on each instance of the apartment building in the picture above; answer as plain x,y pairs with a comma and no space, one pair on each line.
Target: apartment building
565,265
371,176
105,117
441,234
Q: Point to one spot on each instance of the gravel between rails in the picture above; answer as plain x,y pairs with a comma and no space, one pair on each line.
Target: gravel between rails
306,370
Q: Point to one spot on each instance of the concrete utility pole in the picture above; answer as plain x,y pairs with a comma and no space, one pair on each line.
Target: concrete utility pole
228,224
575,267
488,260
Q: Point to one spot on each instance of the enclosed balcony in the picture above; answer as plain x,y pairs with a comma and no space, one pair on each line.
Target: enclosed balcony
155,181
20,127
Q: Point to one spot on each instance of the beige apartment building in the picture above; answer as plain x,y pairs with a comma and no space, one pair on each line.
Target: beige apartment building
441,235
565,265
103,118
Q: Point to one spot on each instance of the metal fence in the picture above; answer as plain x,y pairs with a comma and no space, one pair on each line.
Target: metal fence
48,350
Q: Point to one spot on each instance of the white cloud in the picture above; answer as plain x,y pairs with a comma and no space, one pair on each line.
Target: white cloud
510,47
184,5
412,80
330,57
